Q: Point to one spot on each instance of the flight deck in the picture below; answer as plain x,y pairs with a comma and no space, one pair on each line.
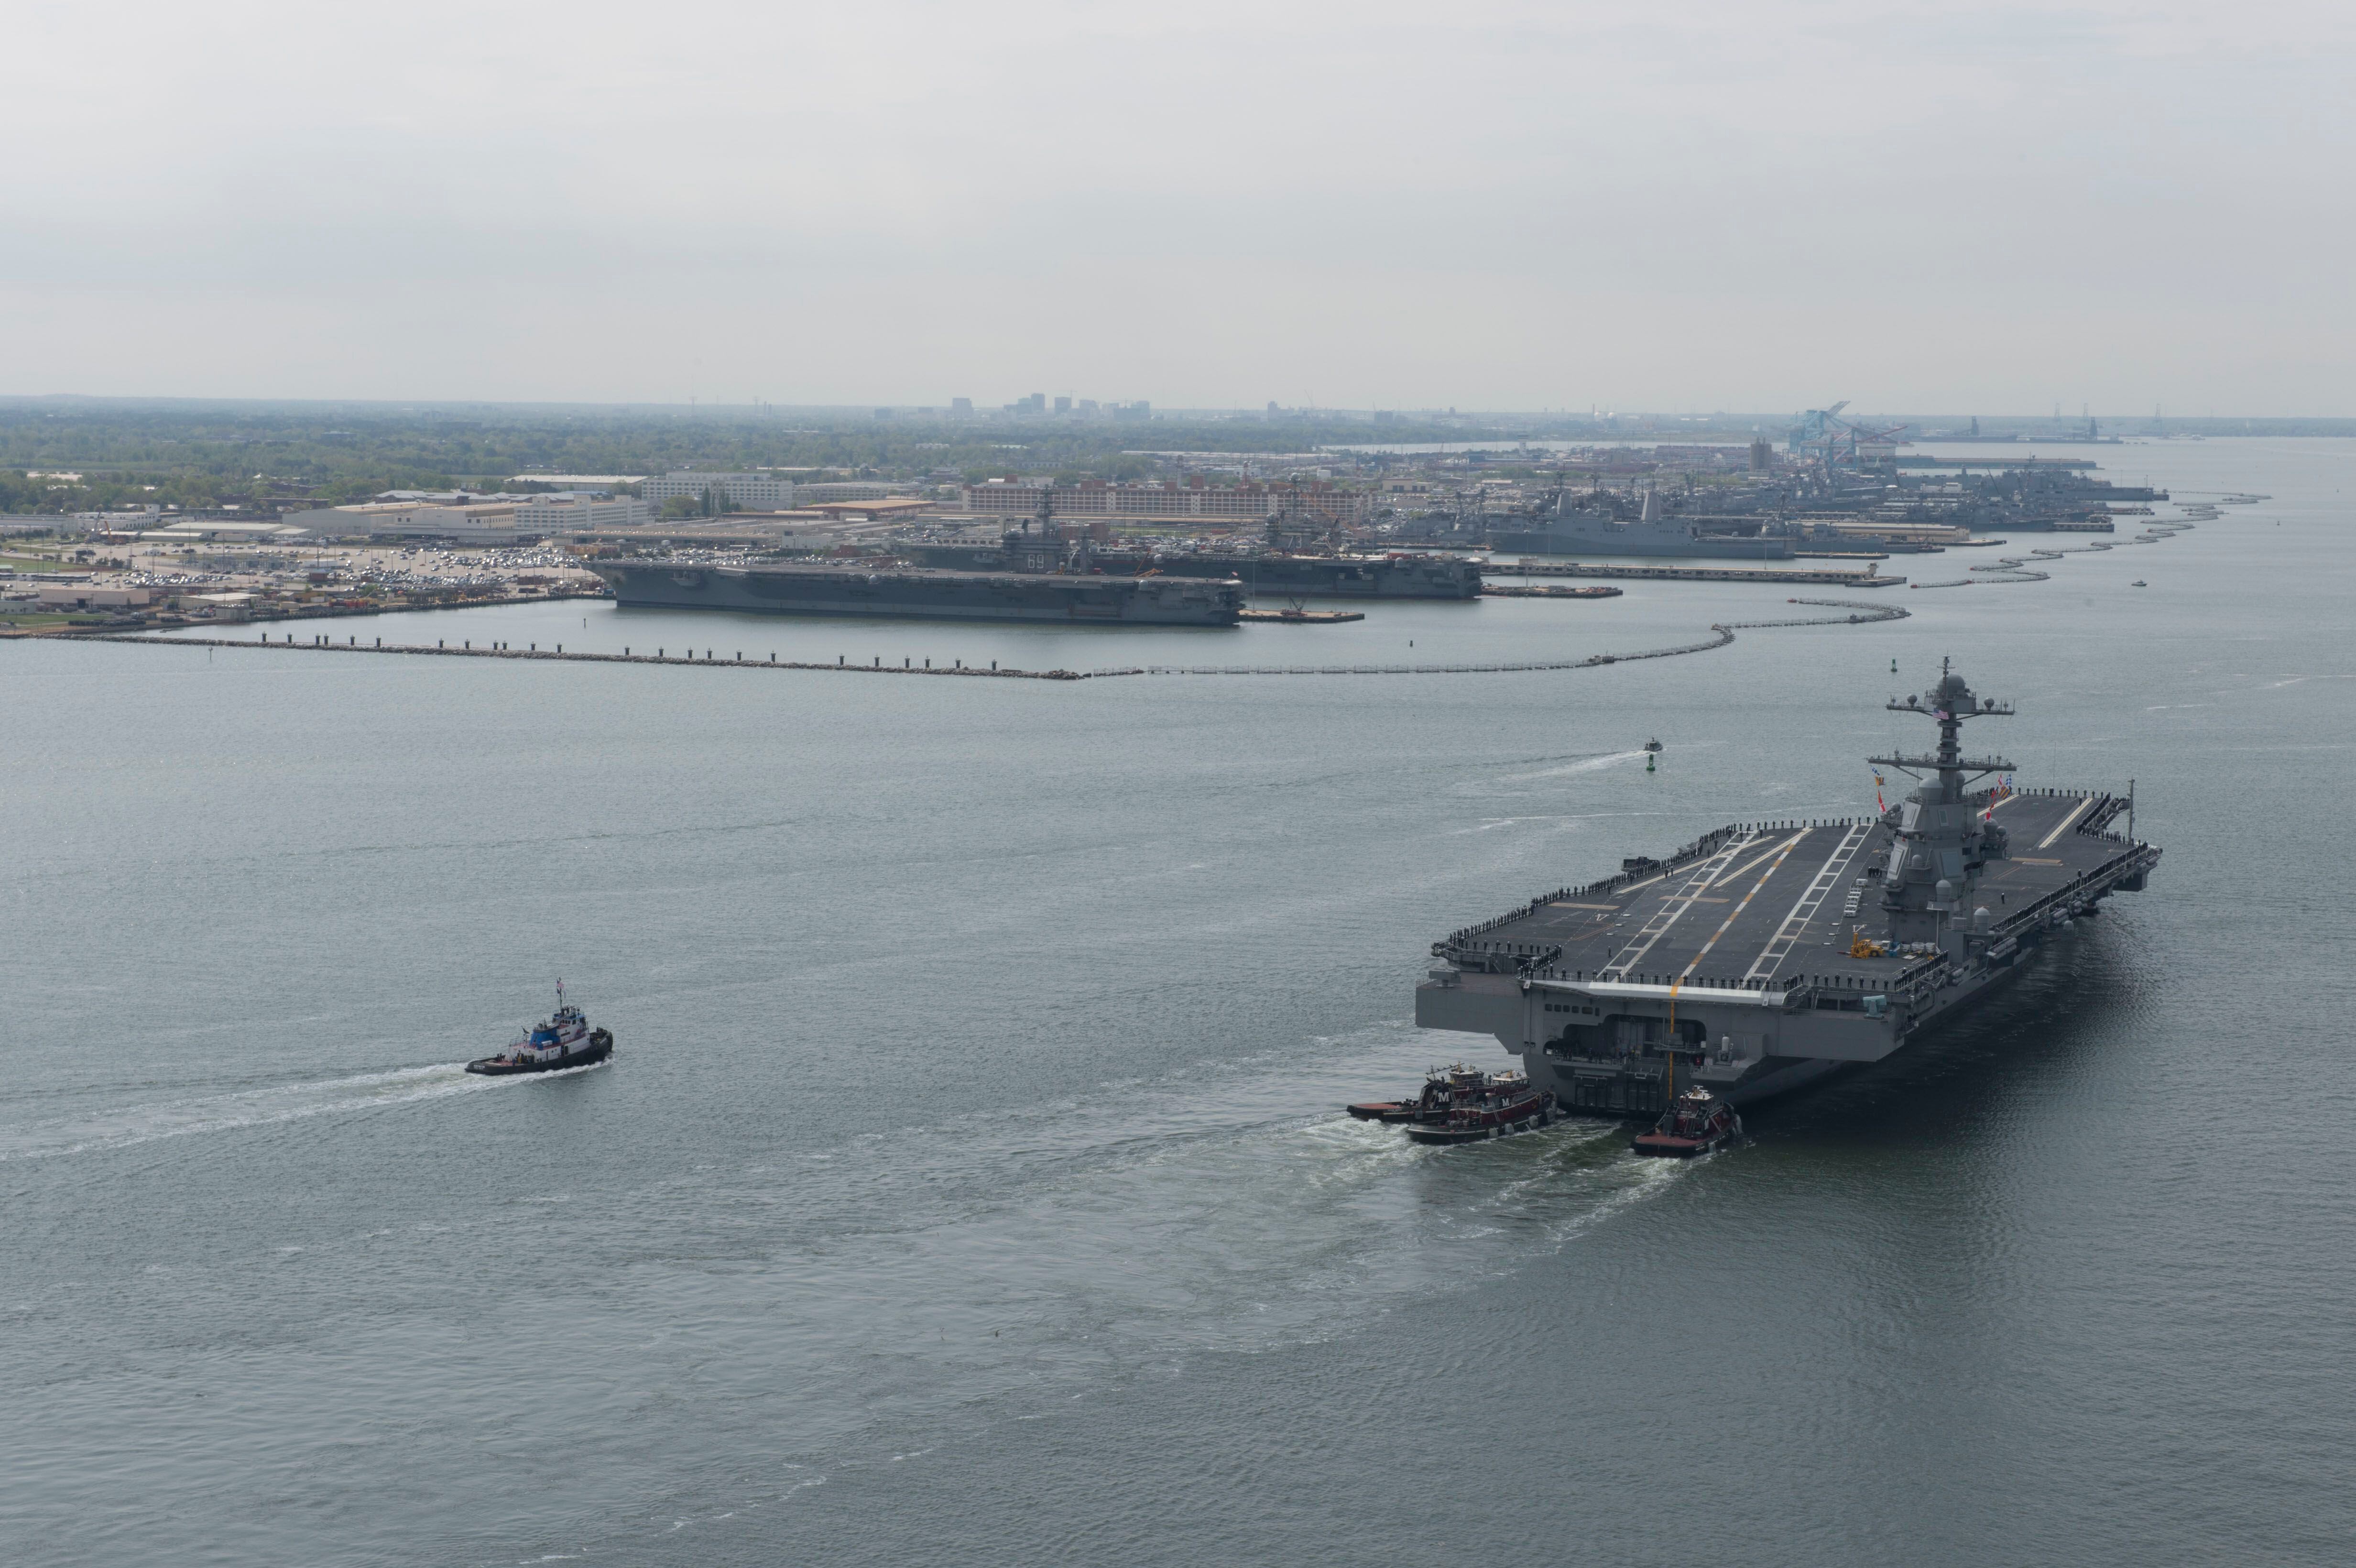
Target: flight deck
1768,905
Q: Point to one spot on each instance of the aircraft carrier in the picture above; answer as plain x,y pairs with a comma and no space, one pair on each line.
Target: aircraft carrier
1280,574
1591,529
913,592
1766,954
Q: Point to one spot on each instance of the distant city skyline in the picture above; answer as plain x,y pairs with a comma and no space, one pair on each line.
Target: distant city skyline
1709,205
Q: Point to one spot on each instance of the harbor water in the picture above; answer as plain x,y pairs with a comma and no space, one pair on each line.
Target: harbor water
971,1183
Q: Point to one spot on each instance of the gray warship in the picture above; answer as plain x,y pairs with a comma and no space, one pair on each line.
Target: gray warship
1592,528
1282,575
1394,575
909,592
1764,956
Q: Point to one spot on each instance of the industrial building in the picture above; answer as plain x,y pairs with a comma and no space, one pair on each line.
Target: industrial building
482,522
733,492
570,512
1192,501
590,483
476,519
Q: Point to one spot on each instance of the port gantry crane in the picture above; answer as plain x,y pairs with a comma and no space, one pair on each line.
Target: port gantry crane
1835,442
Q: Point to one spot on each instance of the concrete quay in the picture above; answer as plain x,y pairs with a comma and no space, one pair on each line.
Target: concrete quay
1496,591
1804,575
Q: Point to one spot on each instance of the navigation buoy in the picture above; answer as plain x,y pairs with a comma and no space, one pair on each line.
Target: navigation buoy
1649,759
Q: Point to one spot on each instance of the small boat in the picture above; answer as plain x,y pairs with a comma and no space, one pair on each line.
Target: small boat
1654,744
565,1041
1506,1103
2139,582
1696,1123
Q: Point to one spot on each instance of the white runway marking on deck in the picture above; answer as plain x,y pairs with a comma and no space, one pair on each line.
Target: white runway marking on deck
1674,907
1732,875
2076,811
1765,877
1787,935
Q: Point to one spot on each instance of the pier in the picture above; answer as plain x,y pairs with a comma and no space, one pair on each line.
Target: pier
1801,575
1494,591
1302,617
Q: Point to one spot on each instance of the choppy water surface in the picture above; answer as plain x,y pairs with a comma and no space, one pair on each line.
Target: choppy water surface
970,1185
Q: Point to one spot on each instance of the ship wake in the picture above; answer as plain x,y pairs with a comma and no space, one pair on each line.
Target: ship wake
124,1127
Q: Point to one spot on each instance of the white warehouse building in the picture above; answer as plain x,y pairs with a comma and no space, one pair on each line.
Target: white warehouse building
565,514
489,521
739,492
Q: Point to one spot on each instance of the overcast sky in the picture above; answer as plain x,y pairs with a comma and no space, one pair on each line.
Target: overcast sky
1489,203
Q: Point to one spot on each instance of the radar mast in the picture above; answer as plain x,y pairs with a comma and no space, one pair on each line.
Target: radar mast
1941,843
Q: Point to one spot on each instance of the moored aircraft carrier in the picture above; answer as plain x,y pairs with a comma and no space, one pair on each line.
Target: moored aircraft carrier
924,594
1285,574
1591,527
1765,955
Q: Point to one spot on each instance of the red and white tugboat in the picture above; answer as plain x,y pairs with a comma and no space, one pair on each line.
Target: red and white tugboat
1504,1103
565,1041
1696,1123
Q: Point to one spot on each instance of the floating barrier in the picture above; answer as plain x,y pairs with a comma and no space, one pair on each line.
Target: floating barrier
1721,634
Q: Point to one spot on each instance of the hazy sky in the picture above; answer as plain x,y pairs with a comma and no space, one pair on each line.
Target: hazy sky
1488,204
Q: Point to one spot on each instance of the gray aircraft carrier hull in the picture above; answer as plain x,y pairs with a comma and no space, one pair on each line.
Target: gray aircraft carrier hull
1393,575
921,593
1734,955
1638,539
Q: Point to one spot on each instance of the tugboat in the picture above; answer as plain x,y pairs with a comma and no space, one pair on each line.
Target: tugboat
1443,1089
565,1041
1505,1103
1696,1123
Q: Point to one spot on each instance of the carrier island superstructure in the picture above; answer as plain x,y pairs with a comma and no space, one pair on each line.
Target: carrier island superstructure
1760,956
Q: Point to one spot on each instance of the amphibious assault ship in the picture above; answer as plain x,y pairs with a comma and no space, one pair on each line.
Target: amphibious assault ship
924,594
1763,955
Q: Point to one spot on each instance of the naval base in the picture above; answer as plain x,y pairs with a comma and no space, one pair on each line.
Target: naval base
1764,956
